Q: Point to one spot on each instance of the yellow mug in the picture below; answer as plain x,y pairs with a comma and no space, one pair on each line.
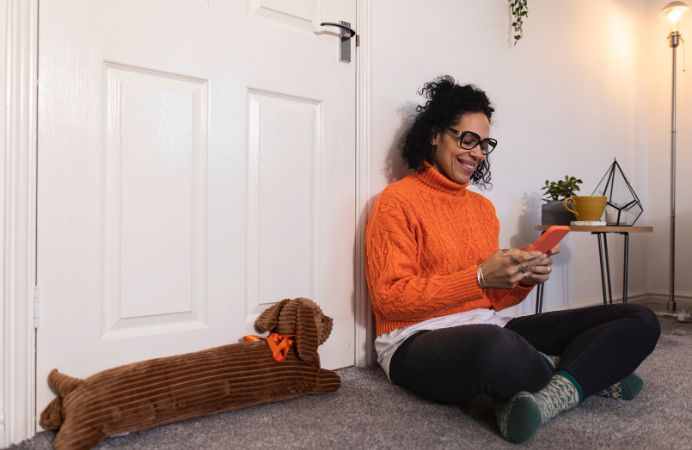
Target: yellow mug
586,207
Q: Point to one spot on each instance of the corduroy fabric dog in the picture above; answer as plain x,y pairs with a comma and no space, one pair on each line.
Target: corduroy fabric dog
164,390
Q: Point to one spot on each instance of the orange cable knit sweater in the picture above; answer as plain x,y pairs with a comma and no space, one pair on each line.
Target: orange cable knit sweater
425,238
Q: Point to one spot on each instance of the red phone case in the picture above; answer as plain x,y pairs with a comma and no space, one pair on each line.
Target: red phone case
550,238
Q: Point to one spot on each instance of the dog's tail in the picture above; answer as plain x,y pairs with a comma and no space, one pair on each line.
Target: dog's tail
52,417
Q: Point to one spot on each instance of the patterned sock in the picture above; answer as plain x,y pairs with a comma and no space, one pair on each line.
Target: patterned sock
521,416
625,389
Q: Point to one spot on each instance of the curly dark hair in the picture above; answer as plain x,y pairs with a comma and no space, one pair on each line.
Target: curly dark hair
446,102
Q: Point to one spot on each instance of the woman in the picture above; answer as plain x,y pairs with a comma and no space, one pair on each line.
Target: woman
437,279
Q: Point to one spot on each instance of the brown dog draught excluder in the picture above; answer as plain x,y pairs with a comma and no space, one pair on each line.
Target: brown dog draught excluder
164,390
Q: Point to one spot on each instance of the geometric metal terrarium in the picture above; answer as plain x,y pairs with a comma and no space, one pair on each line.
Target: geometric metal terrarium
623,206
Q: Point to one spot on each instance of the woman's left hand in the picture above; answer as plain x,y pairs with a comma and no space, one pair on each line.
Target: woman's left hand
540,271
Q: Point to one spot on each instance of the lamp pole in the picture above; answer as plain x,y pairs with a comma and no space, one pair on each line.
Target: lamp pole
674,39
673,12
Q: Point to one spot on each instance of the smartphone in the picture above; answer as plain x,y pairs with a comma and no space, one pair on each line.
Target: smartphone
550,238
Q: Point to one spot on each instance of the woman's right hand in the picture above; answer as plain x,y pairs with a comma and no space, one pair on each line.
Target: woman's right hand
507,267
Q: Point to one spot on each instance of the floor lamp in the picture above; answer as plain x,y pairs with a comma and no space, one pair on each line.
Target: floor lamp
673,12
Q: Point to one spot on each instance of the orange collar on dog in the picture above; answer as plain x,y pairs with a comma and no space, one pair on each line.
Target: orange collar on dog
278,344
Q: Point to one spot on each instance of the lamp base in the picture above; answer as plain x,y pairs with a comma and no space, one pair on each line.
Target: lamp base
671,306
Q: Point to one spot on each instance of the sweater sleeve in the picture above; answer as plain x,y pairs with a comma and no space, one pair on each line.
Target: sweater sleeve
399,288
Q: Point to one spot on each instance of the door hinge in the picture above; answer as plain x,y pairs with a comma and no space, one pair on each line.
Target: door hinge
37,304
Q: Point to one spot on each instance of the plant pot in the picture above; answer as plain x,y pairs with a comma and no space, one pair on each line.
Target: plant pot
555,213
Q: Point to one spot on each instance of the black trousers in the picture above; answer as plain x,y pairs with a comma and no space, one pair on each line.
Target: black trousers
598,346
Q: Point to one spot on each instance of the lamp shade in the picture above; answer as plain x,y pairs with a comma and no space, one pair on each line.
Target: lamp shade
673,13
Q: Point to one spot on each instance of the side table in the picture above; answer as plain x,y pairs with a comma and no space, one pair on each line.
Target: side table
601,233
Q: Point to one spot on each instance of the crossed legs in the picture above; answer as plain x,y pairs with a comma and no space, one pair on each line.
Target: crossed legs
597,346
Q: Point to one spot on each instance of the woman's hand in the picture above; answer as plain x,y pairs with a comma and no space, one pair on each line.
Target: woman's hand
540,271
505,268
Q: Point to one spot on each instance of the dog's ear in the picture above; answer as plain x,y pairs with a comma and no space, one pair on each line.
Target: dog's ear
326,325
270,317
306,334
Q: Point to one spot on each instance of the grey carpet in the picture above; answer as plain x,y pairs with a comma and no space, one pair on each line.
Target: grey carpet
369,412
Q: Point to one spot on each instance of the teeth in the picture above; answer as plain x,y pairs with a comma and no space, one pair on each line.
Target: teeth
469,165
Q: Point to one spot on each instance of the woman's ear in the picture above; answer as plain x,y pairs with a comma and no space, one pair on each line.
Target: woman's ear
435,137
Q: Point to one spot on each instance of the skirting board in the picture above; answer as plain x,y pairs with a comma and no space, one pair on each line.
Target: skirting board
659,300
644,298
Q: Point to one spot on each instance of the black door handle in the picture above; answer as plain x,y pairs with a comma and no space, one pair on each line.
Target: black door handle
344,28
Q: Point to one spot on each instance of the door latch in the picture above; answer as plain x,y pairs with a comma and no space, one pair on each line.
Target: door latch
346,33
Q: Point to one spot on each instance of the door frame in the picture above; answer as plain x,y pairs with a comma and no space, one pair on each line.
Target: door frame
364,332
20,307
17,312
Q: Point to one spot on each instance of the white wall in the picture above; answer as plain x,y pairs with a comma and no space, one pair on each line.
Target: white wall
567,101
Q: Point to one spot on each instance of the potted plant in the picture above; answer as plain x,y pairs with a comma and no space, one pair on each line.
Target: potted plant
553,212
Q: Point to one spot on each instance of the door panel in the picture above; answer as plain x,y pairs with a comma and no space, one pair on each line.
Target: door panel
283,220
196,165
302,14
154,197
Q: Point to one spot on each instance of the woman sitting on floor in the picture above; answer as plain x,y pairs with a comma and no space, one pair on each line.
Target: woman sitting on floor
437,279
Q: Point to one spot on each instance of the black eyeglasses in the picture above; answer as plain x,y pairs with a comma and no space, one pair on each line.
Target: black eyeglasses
468,140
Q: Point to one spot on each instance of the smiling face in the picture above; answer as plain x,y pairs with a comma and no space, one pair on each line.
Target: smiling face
451,160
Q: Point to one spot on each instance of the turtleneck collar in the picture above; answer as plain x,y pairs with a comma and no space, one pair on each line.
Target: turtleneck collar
433,178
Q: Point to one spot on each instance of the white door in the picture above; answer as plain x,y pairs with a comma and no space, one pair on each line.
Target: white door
196,164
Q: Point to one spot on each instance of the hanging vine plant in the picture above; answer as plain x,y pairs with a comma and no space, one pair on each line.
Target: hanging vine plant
520,11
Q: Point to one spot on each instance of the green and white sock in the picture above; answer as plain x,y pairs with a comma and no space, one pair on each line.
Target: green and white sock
520,417
625,389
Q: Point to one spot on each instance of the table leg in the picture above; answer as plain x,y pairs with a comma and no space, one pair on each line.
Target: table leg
539,293
607,261
600,257
626,269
